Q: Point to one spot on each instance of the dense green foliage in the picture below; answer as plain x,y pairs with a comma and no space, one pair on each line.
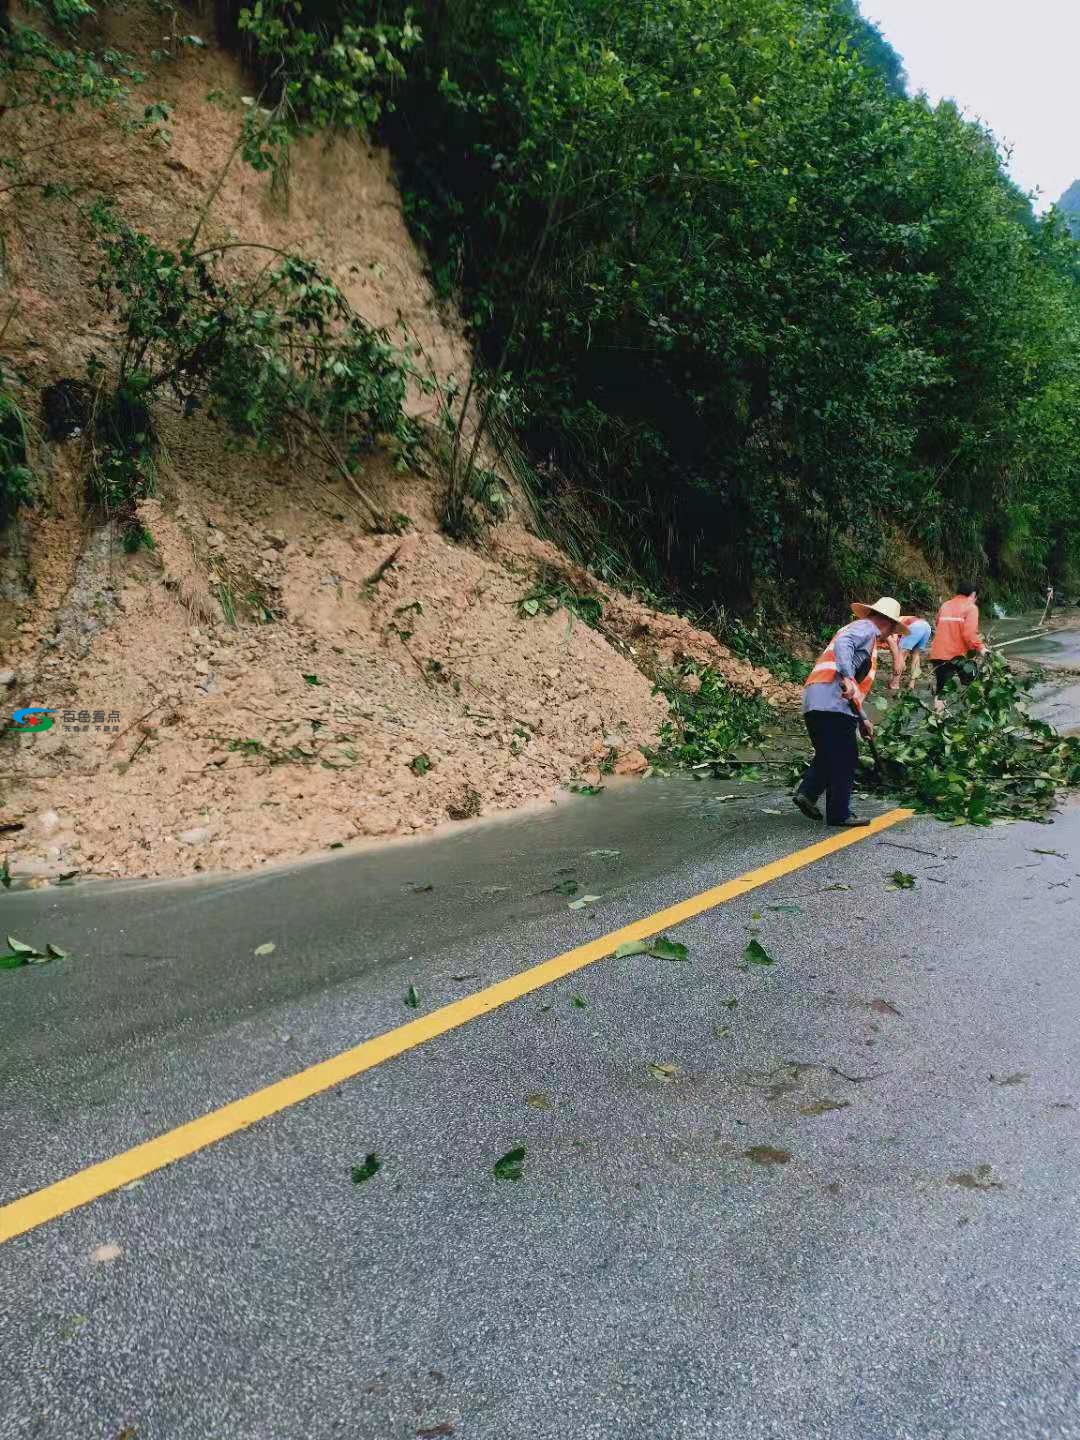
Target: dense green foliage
322,66
281,356
760,304
709,720
982,758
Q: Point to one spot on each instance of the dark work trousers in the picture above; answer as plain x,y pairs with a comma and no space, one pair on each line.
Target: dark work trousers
832,770
946,670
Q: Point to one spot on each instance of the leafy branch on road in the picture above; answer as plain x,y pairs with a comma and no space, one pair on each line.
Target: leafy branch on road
709,719
983,758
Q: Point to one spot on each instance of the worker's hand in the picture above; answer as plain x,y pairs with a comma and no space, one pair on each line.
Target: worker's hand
866,728
847,688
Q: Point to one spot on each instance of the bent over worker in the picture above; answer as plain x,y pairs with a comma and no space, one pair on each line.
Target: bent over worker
956,636
908,651
836,690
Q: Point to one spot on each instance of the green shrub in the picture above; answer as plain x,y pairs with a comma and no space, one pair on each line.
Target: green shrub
280,358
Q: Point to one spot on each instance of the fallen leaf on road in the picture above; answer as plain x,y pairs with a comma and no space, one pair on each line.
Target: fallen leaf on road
267,948
1017,1079
106,1254
731,1003
564,887
756,954
603,854
472,975
822,1107
633,947
71,1326
584,900
509,1167
666,1073
19,947
786,909
664,949
767,1155
539,1101
371,1166
444,1428
1058,853
721,1031
56,953
579,1002
882,1007
412,997
901,880
979,1179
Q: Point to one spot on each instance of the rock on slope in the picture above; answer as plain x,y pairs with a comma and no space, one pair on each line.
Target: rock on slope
285,681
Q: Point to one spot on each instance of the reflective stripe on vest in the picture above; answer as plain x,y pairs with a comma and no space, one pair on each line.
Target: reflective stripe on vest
824,671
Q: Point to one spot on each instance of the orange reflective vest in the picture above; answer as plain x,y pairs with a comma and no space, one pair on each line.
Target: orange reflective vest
824,671
956,632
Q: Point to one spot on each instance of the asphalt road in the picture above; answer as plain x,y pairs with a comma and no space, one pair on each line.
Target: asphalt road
852,1212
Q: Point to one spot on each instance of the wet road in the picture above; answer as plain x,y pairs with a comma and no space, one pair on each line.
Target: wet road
835,1196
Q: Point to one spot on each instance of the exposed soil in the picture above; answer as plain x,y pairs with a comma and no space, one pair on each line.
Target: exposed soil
284,680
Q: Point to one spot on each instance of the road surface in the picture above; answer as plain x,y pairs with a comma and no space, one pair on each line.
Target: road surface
835,1196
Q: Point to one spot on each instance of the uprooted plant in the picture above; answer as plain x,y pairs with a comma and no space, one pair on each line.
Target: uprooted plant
983,757
281,359
709,719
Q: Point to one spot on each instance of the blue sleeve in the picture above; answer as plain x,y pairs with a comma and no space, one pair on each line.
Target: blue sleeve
845,656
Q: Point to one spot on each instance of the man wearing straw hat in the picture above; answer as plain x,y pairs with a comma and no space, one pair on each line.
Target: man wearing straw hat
836,691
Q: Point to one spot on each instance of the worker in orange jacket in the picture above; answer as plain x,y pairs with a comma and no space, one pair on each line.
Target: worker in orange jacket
956,636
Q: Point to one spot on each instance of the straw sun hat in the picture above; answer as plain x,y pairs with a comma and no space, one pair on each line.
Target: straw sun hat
886,607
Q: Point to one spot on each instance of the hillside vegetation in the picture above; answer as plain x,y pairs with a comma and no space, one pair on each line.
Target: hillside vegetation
757,303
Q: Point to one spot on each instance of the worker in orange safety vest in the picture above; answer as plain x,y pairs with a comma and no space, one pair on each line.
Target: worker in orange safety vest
956,636
833,698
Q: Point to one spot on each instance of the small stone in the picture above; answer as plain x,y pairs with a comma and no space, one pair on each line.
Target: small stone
277,539
198,835
49,822
201,667
269,557
214,539
7,679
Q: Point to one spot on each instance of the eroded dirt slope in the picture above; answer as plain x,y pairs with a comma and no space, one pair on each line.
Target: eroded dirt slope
284,680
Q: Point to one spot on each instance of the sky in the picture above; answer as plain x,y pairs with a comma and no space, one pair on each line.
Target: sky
1013,64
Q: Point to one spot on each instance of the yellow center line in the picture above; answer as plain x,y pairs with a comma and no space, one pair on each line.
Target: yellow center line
41,1206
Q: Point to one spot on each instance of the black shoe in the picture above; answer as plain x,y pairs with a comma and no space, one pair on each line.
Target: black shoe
807,806
853,822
